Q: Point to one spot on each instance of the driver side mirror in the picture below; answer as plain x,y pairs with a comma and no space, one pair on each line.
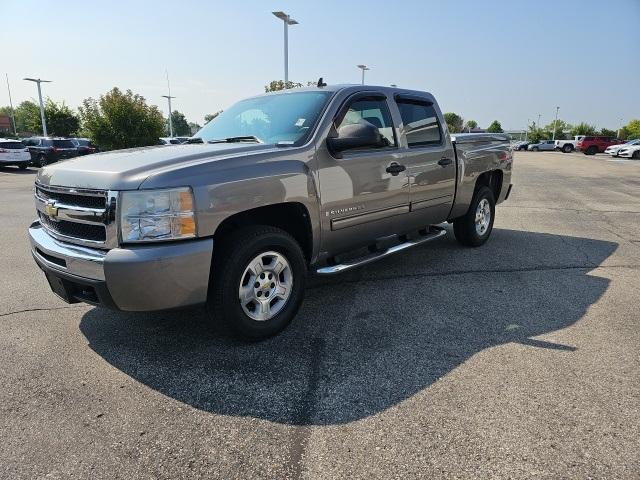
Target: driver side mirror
356,135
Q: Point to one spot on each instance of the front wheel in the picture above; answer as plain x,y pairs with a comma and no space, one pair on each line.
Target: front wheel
257,281
567,148
535,149
41,161
591,150
474,228
636,155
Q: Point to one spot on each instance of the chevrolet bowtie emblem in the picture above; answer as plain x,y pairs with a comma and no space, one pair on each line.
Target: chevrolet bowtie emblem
52,210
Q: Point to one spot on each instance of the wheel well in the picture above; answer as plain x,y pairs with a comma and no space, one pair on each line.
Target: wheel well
491,179
292,217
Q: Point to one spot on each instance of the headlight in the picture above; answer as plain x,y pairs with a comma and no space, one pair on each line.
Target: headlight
153,215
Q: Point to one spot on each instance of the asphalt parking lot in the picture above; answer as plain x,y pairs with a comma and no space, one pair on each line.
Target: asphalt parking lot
520,359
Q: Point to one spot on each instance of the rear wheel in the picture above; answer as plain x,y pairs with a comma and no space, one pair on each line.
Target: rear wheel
567,148
41,160
23,166
257,281
474,228
592,150
535,149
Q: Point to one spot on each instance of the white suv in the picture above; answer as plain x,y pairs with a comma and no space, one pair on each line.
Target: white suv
14,152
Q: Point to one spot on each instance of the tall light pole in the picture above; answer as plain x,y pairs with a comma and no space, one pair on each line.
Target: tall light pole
363,68
526,132
287,20
169,97
555,122
619,128
538,124
44,122
13,118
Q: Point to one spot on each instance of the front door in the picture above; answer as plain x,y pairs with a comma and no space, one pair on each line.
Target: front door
364,191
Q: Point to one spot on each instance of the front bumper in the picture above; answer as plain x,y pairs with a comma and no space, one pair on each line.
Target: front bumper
145,278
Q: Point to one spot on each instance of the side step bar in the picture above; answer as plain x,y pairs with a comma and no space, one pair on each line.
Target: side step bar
436,232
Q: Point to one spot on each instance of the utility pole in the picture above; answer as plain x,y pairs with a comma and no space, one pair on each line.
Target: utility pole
538,124
13,118
555,123
287,20
169,97
44,122
526,132
363,68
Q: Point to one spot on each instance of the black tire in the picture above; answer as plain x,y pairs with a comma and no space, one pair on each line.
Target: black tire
636,155
231,257
464,227
567,148
592,150
535,149
23,166
41,160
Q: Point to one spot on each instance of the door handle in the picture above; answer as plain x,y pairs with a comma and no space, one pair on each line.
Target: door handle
395,168
444,161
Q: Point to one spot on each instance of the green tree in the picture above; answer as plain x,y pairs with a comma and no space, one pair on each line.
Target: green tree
210,116
180,124
194,127
605,132
583,128
61,120
27,116
121,120
276,85
470,125
561,128
454,122
631,130
495,127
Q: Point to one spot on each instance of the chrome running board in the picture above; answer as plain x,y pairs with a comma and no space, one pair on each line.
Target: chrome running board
435,232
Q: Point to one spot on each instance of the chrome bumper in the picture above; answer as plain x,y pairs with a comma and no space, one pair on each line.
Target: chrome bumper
65,257
146,278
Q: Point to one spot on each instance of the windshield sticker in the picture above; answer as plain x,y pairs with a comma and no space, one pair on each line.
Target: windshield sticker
300,122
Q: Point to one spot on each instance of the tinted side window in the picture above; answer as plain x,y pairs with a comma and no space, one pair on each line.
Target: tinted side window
372,110
421,124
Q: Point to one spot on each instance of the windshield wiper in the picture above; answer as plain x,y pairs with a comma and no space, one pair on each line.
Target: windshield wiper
245,138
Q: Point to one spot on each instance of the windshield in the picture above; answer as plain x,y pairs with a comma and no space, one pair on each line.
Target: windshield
285,118
63,144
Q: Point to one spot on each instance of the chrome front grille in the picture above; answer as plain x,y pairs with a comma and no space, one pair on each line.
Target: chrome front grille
77,215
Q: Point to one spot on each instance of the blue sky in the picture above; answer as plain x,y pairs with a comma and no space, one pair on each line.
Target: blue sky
485,60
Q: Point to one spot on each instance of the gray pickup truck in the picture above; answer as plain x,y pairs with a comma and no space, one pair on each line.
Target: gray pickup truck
306,180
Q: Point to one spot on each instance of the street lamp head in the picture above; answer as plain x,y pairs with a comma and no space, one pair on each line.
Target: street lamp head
167,96
37,80
285,18
363,67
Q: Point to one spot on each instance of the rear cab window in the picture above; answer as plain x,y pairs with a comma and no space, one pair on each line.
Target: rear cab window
421,124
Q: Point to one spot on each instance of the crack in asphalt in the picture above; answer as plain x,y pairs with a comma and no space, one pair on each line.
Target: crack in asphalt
39,310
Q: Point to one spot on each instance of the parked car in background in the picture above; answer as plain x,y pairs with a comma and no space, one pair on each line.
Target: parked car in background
14,152
521,145
45,150
632,151
593,145
173,140
613,150
84,146
542,146
568,146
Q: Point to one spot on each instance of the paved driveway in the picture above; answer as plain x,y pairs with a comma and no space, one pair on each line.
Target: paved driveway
519,359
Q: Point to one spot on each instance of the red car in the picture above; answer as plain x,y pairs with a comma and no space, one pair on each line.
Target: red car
593,145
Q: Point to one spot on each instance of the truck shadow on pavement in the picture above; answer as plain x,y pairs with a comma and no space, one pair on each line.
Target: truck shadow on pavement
367,340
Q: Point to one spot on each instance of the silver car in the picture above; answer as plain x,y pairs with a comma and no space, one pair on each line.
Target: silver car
542,145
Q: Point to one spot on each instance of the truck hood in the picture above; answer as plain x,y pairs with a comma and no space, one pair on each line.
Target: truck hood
127,169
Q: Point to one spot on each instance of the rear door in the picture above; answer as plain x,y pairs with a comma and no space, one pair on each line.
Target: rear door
428,155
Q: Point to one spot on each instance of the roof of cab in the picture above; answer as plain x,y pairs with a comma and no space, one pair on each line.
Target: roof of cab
352,87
